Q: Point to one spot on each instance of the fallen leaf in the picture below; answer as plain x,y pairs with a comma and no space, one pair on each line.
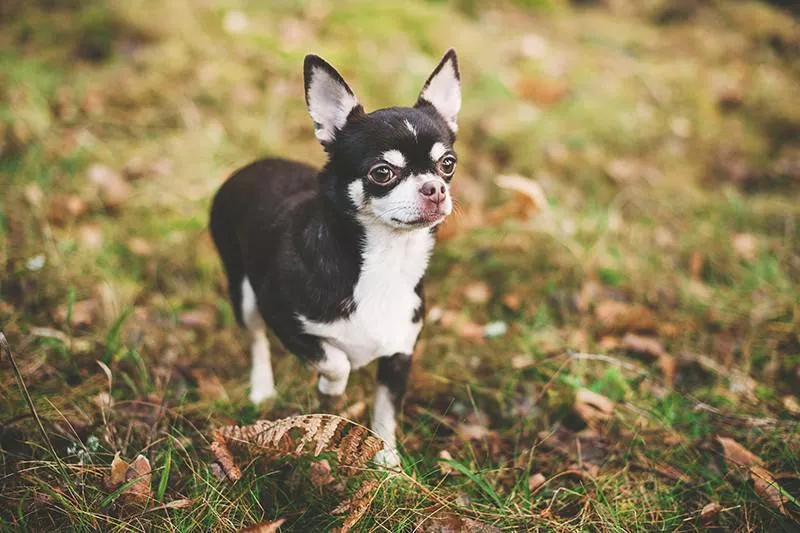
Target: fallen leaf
621,316
473,431
642,345
745,245
623,170
209,387
445,468
183,503
355,411
449,522
224,468
526,189
767,488
90,236
593,407
65,208
104,401
542,91
83,313
518,362
119,467
669,368
33,194
139,470
112,189
139,247
535,481
512,301
791,404
696,265
197,319
470,330
710,512
738,458
320,473
478,292
265,527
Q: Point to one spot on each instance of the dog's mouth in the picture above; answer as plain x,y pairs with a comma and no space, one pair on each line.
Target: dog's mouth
425,219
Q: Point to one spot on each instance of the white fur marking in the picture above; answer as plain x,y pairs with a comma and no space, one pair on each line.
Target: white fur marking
437,151
384,423
329,104
395,157
443,91
356,192
403,202
262,382
334,370
393,262
411,128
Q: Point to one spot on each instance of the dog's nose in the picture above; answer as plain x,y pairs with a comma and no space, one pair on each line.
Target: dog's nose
435,191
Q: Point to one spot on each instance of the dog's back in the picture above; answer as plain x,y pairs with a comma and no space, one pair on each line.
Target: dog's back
260,197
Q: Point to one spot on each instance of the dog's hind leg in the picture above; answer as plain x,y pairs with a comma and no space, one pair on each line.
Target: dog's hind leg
262,382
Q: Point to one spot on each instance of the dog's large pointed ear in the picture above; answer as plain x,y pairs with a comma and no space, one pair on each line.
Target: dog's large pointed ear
330,101
443,90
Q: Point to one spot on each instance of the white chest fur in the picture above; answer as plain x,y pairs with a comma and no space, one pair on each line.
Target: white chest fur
393,263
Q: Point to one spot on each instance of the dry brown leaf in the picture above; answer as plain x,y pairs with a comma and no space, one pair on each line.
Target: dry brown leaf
470,330
710,512
84,313
745,245
199,319
139,247
536,481
445,468
669,368
320,473
224,458
112,189
90,236
183,503
642,345
512,300
265,527
356,505
449,522
768,489
355,411
696,265
791,404
518,362
593,407
621,316
542,91
526,189
209,387
738,458
33,194
65,208
473,431
119,467
139,470
478,292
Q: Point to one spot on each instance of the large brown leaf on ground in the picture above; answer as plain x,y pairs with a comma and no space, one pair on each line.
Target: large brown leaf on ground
447,522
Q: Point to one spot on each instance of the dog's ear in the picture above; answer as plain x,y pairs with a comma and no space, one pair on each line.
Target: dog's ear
330,101
442,91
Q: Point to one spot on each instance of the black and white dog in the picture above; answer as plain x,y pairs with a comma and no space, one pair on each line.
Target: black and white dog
333,261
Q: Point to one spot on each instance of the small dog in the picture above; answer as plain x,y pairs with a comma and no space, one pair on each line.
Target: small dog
333,261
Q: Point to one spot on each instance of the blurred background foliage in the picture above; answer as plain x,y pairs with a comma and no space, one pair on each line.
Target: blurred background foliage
628,189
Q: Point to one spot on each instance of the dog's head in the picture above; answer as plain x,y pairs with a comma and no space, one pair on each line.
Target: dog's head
392,166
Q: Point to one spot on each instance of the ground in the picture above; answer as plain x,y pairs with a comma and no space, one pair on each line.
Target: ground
613,311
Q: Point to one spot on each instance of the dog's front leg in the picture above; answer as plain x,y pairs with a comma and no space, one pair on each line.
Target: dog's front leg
391,386
334,370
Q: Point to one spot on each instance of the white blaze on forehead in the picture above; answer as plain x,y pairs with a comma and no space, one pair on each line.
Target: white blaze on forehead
395,157
411,128
437,151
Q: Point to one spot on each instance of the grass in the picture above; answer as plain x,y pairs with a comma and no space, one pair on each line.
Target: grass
665,141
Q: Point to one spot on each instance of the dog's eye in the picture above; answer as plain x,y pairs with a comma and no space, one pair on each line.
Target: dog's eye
447,165
381,174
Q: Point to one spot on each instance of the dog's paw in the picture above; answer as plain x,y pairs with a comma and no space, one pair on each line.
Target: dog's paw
388,458
261,393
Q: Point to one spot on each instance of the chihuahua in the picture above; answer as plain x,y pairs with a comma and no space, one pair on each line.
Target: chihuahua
333,260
